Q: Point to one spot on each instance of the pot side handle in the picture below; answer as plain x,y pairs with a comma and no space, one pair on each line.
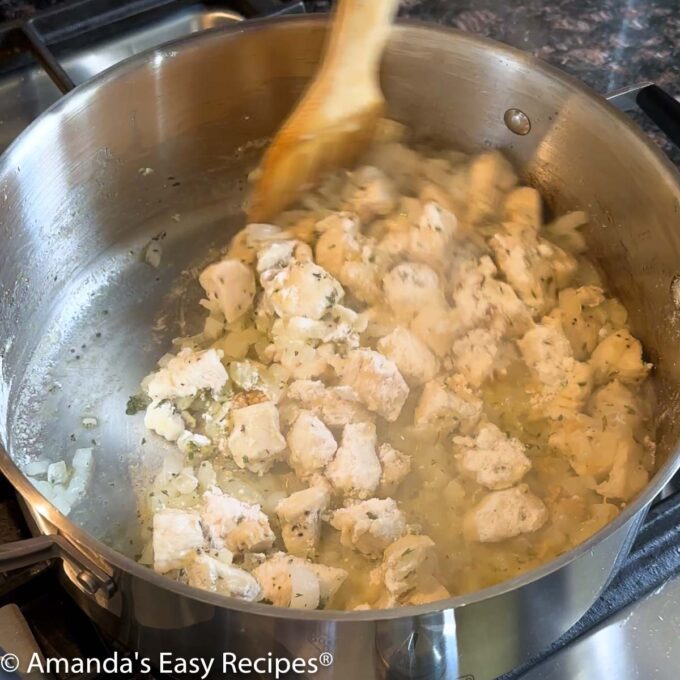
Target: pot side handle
659,105
50,547
663,109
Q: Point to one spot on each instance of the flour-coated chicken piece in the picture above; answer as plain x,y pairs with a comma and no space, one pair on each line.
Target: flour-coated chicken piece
290,581
303,289
370,525
414,359
355,470
337,405
177,535
619,356
370,193
476,356
431,237
448,403
162,417
255,441
412,286
311,444
409,573
300,517
505,514
524,206
230,288
187,373
437,327
492,458
377,381
231,523
491,177
395,467
208,573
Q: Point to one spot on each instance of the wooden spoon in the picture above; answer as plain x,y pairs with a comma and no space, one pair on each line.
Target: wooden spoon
336,117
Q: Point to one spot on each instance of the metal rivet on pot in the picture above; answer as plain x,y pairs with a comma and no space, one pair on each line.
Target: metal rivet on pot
517,121
88,582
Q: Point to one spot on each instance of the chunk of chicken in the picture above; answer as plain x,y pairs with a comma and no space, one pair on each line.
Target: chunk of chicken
306,347
370,193
239,526
187,373
395,467
505,514
336,246
230,288
370,526
303,289
491,176
354,260
207,573
431,237
255,441
565,383
337,406
532,266
580,325
347,221
436,327
312,445
355,470
627,476
492,458
409,573
377,381
524,206
619,356
300,517
289,581
480,299
450,404
162,417
177,535
564,231
330,581
275,256
363,279
476,356
416,363
593,445
547,352
412,286
616,406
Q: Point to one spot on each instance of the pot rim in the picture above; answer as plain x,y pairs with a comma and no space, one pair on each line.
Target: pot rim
121,562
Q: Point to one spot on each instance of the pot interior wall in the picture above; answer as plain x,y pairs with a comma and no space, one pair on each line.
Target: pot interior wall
163,146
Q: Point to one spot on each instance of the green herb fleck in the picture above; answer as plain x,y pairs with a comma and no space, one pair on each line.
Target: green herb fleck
136,403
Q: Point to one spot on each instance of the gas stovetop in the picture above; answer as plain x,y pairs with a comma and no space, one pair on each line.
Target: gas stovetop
47,54
632,631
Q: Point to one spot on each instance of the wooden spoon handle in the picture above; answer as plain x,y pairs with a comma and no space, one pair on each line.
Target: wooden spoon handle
358,36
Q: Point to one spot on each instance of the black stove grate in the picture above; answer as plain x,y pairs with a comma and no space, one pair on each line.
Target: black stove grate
84,22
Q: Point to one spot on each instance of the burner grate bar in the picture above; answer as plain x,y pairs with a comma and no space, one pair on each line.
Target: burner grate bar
46,59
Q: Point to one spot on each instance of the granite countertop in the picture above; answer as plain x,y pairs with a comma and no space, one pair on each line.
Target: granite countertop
605,43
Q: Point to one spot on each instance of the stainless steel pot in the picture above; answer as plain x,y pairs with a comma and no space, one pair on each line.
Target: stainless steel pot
82,317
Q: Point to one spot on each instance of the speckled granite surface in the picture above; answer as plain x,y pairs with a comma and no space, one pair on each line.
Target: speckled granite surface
605,43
